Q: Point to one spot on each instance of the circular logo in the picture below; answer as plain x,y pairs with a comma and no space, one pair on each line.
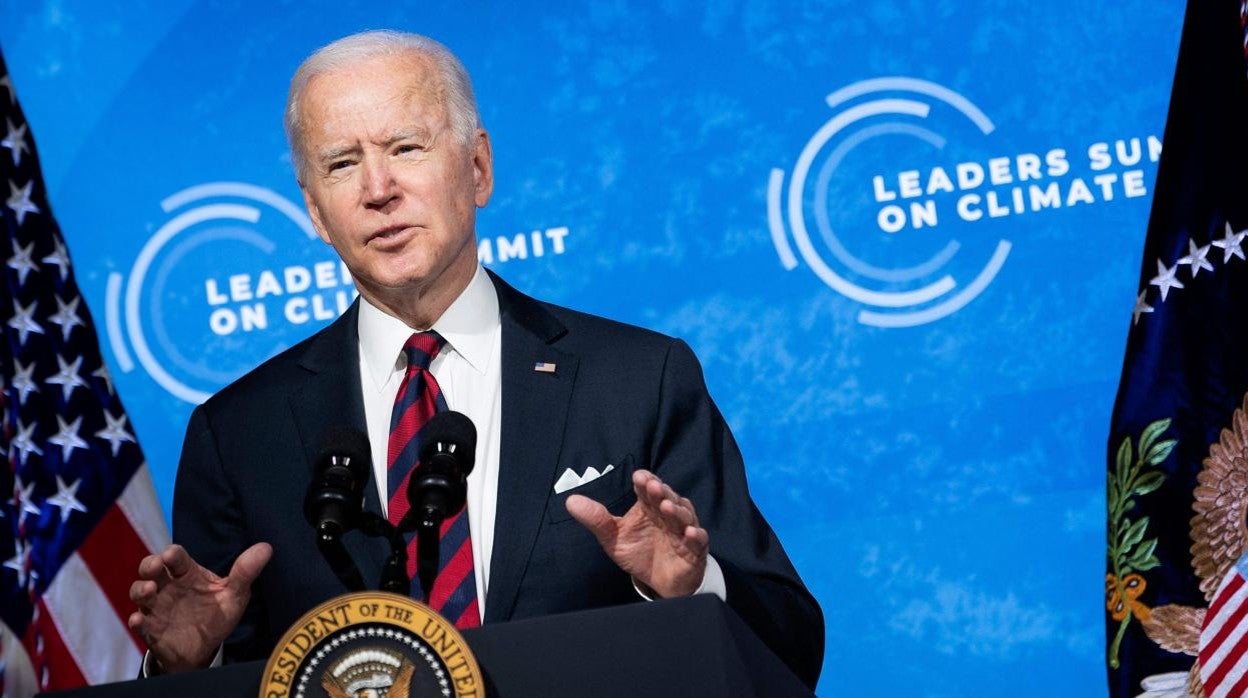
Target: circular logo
863,235
371,644
233,276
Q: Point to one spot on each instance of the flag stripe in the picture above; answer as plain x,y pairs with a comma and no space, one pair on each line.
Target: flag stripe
88,625
54,665
109,553
1219,624
1232,586
138,503
1240,677
1223,644
18,675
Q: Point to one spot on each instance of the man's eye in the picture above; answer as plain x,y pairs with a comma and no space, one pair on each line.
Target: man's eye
338,165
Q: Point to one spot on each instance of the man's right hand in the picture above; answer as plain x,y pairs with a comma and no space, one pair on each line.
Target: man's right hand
185,611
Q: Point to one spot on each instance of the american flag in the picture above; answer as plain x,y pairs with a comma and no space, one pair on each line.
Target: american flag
1223,642
77,507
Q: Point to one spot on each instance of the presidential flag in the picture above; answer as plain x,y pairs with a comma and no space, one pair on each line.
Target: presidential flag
79,510
1177,486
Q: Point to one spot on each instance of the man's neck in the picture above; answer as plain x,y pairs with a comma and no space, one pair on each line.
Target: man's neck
420,308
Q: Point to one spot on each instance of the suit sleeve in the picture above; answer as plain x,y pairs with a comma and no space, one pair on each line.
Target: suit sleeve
209,523
695,453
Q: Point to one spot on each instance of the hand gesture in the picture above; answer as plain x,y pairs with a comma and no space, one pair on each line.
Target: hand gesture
185,611
657,541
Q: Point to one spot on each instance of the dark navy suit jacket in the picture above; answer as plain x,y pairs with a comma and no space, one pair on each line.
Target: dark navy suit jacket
620,395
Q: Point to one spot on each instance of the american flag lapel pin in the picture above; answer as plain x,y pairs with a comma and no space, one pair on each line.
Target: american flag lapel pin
544,367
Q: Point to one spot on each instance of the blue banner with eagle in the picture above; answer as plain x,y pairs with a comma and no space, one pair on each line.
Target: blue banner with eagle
1176,598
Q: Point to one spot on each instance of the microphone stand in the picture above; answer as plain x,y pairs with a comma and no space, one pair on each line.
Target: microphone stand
428,548
394,570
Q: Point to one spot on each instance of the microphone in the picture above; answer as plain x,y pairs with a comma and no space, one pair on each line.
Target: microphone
335,495
438,486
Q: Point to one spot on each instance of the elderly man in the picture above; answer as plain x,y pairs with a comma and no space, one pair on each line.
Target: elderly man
393,163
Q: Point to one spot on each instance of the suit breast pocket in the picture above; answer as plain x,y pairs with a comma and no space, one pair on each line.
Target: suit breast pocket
613,489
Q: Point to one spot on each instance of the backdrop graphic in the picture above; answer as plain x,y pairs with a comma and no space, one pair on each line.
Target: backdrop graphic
902,237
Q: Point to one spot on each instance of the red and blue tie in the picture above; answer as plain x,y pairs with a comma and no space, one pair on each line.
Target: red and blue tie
454,593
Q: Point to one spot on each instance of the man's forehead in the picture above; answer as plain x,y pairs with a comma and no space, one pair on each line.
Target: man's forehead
374,90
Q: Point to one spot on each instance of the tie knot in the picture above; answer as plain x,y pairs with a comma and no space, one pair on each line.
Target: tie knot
421,347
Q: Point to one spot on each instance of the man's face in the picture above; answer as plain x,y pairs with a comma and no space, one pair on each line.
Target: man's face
387,183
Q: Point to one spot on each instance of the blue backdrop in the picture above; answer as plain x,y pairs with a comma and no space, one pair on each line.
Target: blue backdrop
903,237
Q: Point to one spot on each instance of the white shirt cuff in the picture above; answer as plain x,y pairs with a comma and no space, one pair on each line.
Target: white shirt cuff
712,582
147,672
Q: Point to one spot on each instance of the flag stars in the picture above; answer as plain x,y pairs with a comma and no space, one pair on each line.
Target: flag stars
115,433
23,381
1231,244
7,84
20,561
23,320
67,437
19,200
23,445
1165,279
68,377
21,261
15,141
66,498
102,374
26,501
59,257
1196,259
1140,308
66,316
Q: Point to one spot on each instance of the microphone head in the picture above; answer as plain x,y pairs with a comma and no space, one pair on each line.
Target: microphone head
450,433
335,493
346,446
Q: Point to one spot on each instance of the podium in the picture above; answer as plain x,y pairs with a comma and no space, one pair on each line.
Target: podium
678,647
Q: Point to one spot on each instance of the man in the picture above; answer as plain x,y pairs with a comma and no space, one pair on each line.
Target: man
393,163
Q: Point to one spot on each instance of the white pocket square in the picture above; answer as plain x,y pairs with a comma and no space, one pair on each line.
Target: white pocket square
570,479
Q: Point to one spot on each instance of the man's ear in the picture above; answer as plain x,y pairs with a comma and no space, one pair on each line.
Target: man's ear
314,212
482,169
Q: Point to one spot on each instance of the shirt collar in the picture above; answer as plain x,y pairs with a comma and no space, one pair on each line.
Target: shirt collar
468,326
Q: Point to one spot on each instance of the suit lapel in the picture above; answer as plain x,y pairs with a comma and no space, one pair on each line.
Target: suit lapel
328,396
535,405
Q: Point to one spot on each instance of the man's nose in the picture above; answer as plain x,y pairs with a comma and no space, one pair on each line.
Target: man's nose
379,185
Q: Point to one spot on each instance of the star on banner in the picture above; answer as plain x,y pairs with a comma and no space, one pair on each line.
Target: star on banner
26,501
19,562
21,261
15,141
66,316
59,257
115,433
1196,258
23,444
1165,279
66,498
19,200
1140,308
67,437
68,377
1231,244
7,84
23,382
23,320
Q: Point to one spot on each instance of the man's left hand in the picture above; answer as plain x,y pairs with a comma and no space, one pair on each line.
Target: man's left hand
657,541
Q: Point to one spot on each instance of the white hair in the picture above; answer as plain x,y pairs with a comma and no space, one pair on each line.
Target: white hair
456,88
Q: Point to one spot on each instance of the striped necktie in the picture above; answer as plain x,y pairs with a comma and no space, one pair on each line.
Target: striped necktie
454,593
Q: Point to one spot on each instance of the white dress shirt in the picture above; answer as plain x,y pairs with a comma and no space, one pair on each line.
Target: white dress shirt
468,370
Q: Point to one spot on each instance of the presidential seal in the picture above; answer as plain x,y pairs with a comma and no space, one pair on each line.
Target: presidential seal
370,645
